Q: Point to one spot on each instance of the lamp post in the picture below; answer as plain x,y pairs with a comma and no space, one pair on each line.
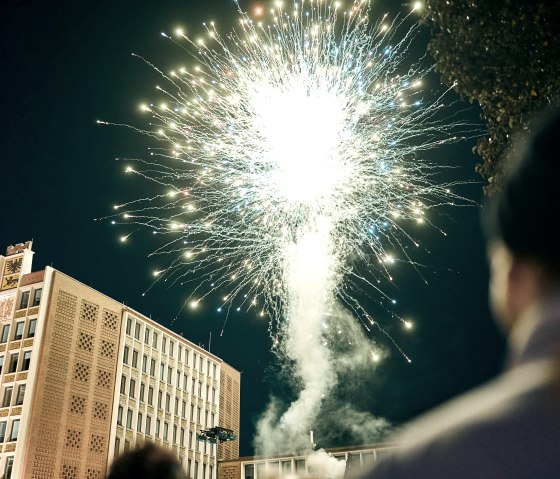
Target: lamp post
215,435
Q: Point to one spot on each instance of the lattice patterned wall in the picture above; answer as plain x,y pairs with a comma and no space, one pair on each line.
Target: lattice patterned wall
75,382
230,380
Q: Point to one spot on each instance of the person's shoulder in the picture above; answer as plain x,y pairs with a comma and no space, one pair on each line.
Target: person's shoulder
510,417
511,396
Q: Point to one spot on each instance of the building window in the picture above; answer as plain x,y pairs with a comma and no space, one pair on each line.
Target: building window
147,336
169,374
126,446
179,352
176,406
123,384
139,422
125,355
144,364
167,400
137,331
148,424
190,440
159,396
174,434
31,329
128,325
150,395
132,388
161,371
7,399
13,363
182,437
117,446
165,430
158,422
3,425
20,395
5,332
184,411
119,416
1,363
24,301
171,344
129,419
194,359
134,358
214,375
142,390
26,360
153,368
163,344
300,466
154,340
9,467
178,379
15,430
249,471
37,297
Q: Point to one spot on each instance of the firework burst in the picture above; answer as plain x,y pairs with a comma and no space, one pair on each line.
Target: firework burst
289,152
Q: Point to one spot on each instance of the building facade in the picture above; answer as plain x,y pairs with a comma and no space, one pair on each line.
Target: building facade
84,378
355,458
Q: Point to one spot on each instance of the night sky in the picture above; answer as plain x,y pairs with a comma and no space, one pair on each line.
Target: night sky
66,65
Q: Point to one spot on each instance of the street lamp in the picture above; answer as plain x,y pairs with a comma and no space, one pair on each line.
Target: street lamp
215,435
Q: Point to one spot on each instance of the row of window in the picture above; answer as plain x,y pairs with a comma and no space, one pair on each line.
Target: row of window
18,331
202,416
14,430
274,469
7,397
166,374
173,433
13,362
26,296
189,462
168,346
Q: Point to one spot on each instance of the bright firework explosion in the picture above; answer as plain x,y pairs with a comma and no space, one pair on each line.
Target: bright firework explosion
289,154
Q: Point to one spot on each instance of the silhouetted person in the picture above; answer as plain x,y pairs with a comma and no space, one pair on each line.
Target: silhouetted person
147,462
509,428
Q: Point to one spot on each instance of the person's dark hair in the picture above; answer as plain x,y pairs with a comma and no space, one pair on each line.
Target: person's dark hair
525,212
147,462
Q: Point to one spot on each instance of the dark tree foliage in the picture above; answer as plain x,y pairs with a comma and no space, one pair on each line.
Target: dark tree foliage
503,54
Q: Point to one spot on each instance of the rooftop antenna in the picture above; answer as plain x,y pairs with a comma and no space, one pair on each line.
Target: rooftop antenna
210,342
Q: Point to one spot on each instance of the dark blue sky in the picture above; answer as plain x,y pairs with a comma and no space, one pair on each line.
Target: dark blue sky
67,64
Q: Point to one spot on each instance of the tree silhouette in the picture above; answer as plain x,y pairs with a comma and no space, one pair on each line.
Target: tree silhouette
503,54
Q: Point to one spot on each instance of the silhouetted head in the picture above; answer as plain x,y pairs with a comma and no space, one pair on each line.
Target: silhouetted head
521,222
524,214
147,462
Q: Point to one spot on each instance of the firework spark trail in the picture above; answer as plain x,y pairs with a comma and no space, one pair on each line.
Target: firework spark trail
289,149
